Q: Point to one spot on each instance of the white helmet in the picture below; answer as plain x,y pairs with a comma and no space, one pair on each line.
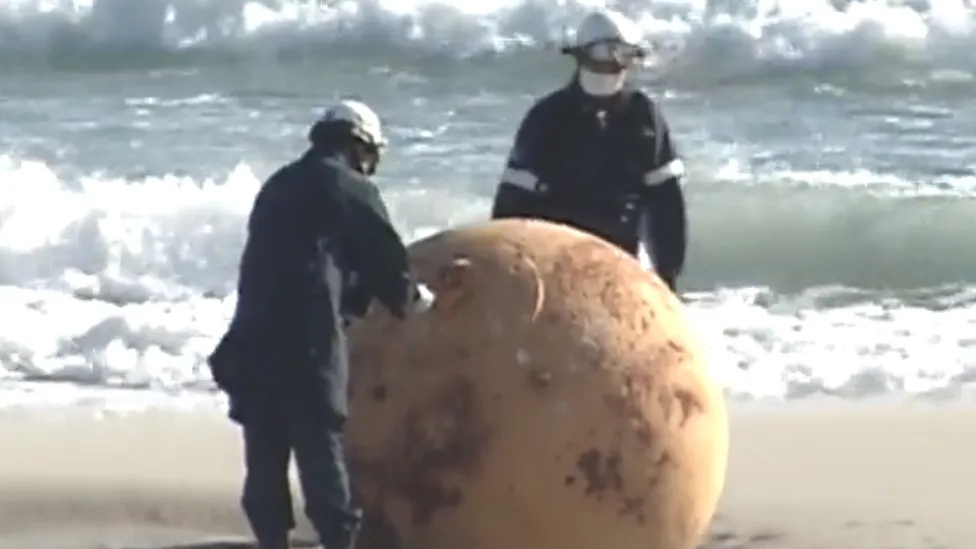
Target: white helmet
365,123
605,25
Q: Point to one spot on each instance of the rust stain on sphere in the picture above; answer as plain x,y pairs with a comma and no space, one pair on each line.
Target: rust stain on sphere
554,398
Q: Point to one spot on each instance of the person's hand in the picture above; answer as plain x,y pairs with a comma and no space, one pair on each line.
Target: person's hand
423,300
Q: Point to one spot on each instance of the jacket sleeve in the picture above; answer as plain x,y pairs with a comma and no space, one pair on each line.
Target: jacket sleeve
516,193
357,296
664,202
378,254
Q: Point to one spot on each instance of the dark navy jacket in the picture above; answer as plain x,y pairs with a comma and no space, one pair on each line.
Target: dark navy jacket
313,224
601,167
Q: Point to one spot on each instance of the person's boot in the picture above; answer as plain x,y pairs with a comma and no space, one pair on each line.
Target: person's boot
353,539
273,542
346,540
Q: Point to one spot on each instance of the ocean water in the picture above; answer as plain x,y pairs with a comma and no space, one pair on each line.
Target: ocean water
832,148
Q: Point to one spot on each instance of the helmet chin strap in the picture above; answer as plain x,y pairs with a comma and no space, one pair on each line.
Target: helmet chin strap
350,160
367,168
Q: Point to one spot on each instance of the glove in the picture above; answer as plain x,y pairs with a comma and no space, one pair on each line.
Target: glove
423,300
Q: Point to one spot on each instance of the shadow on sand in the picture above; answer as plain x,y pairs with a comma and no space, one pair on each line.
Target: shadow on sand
235,543
720,538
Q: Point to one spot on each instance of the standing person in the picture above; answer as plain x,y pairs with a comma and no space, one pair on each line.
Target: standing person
597,154
316,224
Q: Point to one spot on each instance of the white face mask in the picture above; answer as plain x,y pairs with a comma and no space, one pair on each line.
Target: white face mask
601,85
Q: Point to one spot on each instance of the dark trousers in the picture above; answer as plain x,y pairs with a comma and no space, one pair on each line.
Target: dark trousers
316,442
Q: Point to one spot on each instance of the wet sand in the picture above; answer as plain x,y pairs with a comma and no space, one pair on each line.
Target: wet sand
883,477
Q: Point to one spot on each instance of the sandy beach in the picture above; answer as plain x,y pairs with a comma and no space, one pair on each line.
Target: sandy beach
891,477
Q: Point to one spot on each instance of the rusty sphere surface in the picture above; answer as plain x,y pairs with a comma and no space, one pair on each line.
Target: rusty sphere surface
554,398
